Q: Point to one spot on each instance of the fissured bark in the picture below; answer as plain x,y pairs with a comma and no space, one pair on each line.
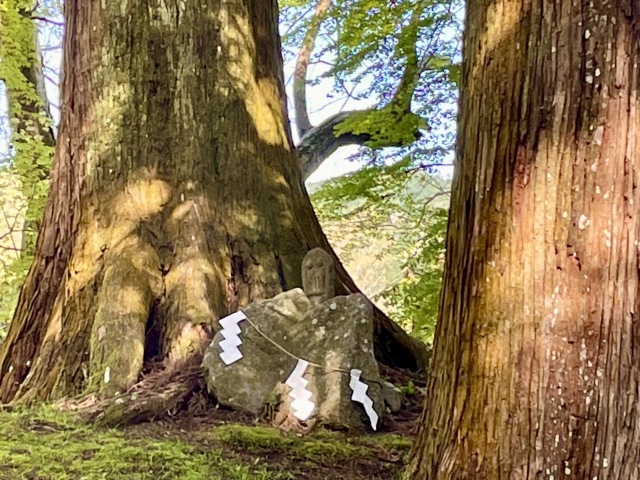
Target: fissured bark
536,362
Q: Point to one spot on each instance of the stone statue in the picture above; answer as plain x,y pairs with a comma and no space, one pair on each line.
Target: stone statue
314,325
318,276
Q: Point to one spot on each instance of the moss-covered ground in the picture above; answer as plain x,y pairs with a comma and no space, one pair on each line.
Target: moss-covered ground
46,444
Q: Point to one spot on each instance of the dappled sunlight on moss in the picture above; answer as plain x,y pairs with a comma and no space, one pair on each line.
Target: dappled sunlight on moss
320,444
45,444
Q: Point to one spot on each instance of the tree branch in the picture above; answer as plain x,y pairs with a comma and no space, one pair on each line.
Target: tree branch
317,143
411,73
321,141
300,74
47,20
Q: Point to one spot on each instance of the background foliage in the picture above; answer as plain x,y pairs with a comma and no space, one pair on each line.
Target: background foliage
387,221
25,154
13,265
385,54
388,225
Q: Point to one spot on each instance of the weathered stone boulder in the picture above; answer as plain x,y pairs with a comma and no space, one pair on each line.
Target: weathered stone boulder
392,396
342,338
333,334
336,334
246,384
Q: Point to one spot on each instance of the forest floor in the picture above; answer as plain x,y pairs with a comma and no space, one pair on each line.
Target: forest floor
216,443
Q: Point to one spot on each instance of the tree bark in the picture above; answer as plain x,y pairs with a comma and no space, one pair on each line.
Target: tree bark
302,64
536,364
175,197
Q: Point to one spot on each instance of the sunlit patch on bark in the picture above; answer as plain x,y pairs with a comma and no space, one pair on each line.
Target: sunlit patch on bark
502,18
260,95
188,289
190,339
109,226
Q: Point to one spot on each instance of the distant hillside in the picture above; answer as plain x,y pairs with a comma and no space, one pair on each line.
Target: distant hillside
376,247
12,207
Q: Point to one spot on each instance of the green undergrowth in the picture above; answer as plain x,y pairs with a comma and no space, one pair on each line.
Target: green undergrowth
45,444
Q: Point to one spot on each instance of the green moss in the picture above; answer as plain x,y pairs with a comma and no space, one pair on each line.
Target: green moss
46,444
388,441
320,444
407,389
43,443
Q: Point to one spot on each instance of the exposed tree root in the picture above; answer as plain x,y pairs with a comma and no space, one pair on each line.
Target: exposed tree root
159,394
165,392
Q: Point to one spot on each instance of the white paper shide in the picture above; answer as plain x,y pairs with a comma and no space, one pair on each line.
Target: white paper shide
231,332
360,395
301,405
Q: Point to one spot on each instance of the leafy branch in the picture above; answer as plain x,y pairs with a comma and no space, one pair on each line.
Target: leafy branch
391,36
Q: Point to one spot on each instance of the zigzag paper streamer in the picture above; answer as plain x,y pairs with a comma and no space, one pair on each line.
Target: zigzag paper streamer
360,395
230,331
302,405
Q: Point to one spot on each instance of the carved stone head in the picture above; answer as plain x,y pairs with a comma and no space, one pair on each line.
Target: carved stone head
318,276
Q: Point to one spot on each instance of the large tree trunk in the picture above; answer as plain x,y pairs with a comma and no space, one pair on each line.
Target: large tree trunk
175,196
536,364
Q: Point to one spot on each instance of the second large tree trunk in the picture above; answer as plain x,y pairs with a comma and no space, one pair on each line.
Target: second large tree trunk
536,367
175,195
